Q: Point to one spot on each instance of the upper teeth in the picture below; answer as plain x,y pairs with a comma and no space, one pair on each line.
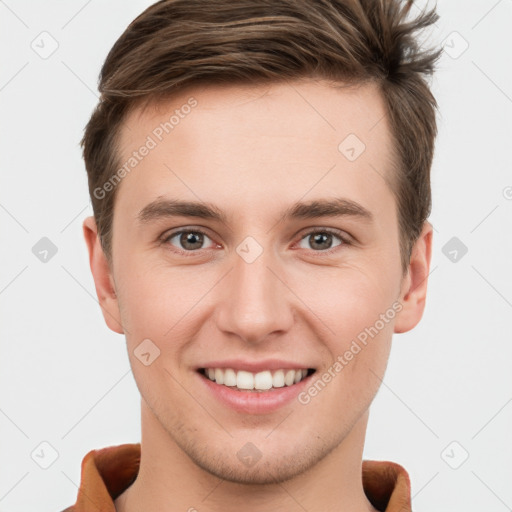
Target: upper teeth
261,380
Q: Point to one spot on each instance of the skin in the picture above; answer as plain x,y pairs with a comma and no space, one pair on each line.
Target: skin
253,151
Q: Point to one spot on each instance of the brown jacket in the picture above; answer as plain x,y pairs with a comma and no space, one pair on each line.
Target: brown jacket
107,472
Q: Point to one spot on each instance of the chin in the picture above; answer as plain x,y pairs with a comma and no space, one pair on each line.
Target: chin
249,465
263,472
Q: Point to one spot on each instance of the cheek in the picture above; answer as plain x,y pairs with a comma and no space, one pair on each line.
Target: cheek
348,385
357,318
351,299
154,298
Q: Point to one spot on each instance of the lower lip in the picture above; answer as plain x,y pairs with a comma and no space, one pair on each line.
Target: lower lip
254,402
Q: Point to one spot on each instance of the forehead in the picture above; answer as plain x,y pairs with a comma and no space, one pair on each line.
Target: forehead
245,139
319,106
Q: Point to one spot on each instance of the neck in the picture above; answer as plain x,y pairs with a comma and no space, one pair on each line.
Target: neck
169,480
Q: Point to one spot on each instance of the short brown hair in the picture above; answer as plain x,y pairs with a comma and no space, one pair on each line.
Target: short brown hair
174,44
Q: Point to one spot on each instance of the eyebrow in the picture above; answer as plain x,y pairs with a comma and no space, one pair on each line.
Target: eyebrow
336,207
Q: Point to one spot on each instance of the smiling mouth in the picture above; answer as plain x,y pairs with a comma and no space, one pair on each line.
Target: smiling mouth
266,380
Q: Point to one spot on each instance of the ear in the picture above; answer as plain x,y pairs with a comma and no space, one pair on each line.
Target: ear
414,285
103,279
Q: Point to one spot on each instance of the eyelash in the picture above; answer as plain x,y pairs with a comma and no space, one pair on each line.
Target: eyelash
339,234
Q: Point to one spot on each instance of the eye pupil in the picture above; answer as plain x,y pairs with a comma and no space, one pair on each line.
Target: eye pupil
321,238
192,238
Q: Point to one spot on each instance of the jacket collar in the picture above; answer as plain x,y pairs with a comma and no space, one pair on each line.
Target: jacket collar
107,472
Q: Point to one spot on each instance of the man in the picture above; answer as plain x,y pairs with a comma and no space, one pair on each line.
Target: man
259,174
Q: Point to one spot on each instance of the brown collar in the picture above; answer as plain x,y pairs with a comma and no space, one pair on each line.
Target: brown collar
107,472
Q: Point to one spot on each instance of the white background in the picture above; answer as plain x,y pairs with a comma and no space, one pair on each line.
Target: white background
65,378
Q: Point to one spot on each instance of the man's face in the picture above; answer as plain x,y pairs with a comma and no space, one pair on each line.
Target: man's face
259,290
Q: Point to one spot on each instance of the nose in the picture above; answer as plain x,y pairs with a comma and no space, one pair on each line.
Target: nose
256,301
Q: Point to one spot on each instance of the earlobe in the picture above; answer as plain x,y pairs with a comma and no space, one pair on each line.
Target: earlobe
103,279
414,285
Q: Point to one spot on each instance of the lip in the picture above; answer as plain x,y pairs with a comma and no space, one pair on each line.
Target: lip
257,403
255,366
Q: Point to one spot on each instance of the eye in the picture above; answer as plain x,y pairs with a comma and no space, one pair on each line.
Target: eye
192,240
321,240
189,240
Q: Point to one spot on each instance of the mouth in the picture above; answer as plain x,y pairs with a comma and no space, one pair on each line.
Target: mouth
256,382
